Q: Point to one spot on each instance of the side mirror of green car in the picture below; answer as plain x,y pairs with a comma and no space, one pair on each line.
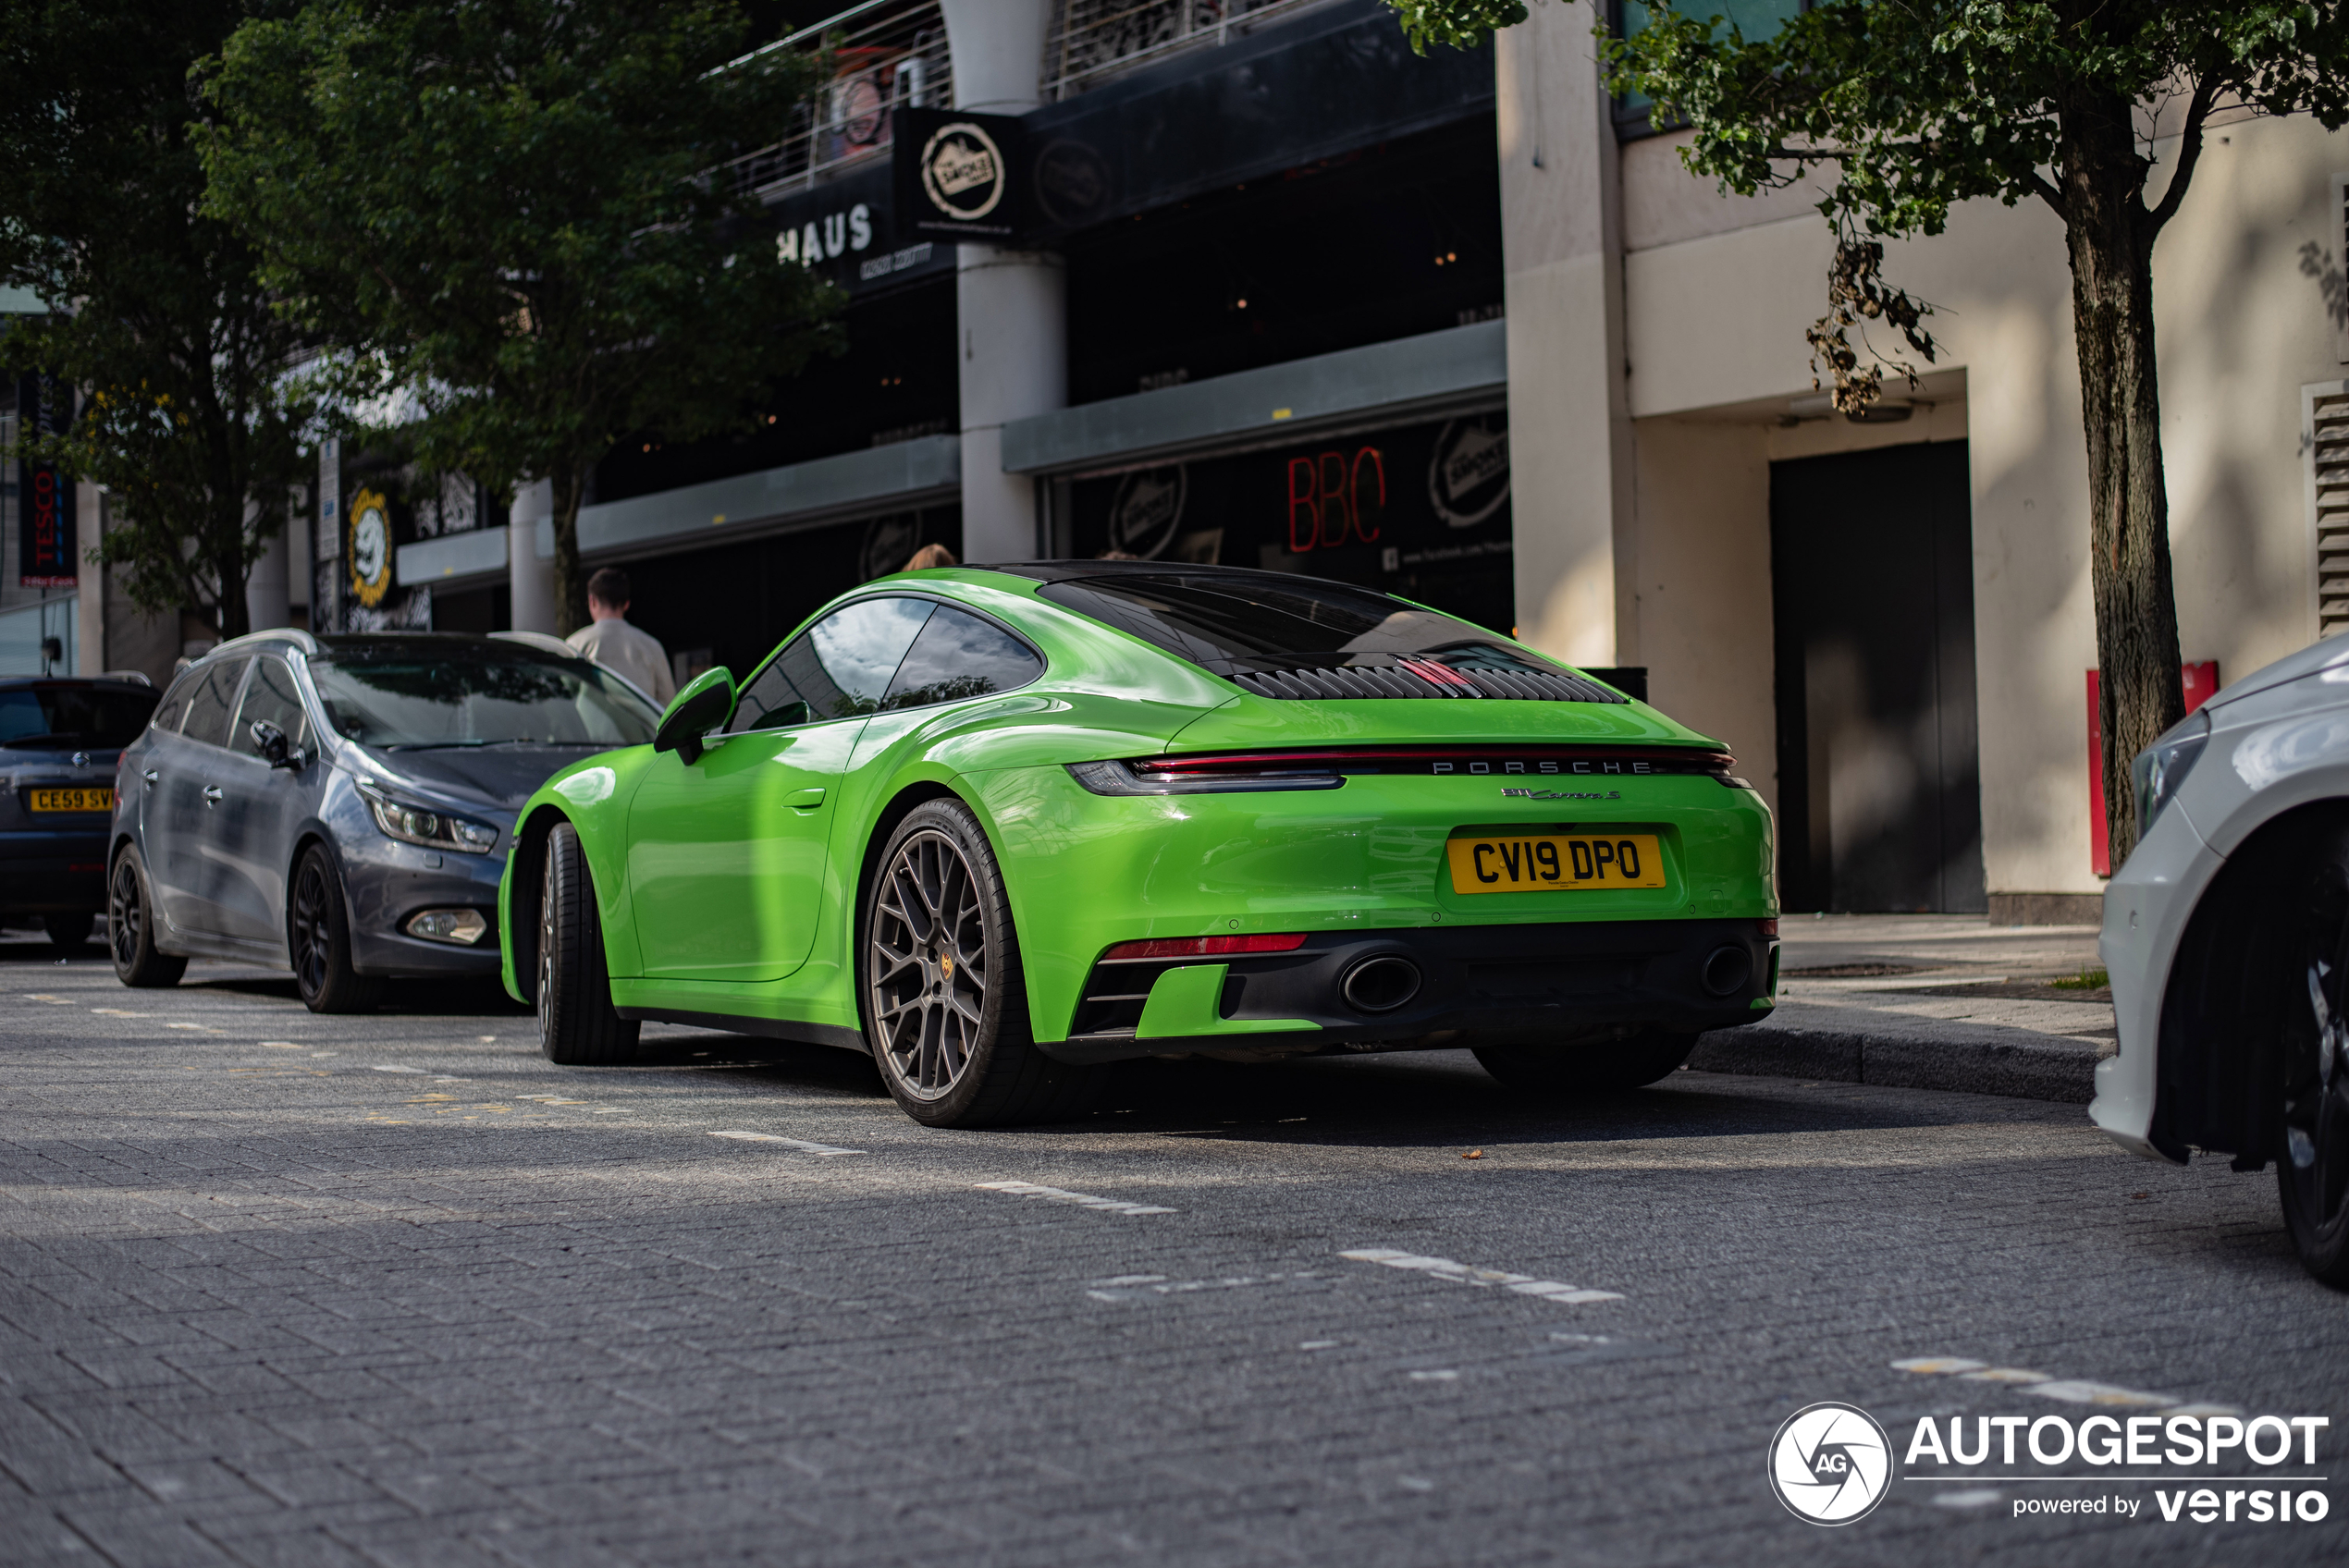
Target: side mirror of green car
707,702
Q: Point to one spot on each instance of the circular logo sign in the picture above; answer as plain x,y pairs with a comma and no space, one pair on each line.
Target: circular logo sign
962,171
1147,509
370,547
1469,476
1830,1463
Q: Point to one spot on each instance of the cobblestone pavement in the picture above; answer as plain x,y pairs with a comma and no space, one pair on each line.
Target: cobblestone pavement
283,1289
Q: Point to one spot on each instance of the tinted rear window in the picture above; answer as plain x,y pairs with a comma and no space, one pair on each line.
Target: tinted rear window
1227,622
77,716
960,655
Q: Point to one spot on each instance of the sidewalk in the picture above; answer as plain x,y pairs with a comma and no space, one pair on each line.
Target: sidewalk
1928,1001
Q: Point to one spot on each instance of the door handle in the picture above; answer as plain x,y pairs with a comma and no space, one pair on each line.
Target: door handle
150,775
212,794
805,799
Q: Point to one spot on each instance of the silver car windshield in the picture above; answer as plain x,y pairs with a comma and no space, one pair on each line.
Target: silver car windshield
405,701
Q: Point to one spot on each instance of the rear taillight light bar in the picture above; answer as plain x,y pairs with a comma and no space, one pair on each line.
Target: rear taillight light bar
1164,947
1225,772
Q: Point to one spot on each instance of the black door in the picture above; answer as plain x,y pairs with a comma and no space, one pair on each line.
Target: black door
1880,792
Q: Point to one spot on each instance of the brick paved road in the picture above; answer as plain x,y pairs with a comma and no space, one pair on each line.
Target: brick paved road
279,1288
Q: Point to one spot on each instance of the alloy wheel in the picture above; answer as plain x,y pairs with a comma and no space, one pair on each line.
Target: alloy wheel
312,941
125,913
929,964
2316,1106
545,995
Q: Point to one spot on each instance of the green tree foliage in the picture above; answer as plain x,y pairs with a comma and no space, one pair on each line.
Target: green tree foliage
513,216
156,312
1908,108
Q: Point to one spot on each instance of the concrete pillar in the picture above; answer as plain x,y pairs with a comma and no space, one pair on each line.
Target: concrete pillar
1011,304
1570,449
530,576
266,586
90,593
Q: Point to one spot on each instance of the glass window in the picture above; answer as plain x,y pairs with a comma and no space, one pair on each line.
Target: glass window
837,668
271,698
410,693
212,699
960,655
1232,620
73,717
174,706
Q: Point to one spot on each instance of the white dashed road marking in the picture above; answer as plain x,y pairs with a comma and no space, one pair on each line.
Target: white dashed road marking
382,1067
1460,1273
1135,1287
1082,1200
802,1145
2069,1390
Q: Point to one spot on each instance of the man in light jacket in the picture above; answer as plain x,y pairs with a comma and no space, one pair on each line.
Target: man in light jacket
633,655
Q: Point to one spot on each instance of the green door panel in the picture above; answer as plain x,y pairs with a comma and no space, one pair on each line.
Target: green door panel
726,858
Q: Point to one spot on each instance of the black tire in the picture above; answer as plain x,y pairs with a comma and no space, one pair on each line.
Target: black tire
131,936
68,932
576,1024
318,940
939,978
2312,1169
1588,1068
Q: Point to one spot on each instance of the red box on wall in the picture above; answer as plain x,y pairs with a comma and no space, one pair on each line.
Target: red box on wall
2201,680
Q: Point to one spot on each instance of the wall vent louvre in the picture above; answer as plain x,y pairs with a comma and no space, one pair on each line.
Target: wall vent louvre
2328,447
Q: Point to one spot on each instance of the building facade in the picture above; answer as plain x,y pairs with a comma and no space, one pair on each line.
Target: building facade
1284,295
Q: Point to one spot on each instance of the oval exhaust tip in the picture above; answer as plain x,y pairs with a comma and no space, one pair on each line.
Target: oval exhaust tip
1380,985
1729,969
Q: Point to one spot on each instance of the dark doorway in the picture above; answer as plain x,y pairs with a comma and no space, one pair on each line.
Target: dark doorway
1879,792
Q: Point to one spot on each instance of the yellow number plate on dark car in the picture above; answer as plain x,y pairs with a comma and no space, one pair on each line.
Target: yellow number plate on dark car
71,800
1556,863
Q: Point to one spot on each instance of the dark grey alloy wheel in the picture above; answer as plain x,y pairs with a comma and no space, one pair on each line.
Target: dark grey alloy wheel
2313,1174
318,940
945,1003
930,966
130,937
577,1026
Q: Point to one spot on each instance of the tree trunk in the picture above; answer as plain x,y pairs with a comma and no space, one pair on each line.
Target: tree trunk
2111,245
571,583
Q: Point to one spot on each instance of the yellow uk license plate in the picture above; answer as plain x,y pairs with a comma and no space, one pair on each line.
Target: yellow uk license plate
71,800
1557,863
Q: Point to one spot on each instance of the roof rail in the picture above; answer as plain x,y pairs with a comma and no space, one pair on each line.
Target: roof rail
293,634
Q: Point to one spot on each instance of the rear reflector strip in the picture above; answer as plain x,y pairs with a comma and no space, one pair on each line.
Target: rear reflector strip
1202,946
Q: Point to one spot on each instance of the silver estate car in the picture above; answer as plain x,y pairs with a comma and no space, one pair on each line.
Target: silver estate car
341,805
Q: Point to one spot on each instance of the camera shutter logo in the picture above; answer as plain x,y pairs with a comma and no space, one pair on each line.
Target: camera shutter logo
962,171
370,547
1830,1463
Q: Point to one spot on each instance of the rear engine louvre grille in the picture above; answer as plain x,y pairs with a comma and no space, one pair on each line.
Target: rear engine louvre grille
1419,677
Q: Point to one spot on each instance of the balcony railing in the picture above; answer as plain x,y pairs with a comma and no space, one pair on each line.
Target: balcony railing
884,54
1091,39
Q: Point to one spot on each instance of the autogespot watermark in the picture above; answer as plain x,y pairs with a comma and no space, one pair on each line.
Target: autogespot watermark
1832,1464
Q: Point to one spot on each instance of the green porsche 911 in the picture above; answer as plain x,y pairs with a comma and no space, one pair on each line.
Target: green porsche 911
999,827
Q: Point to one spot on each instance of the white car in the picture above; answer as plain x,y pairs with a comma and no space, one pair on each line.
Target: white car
2227,937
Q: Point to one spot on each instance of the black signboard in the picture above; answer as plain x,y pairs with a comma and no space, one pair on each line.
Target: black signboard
957,175
47,553
1419,509
847,229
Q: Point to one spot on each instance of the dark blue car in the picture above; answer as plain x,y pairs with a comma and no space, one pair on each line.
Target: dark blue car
58,742
342,805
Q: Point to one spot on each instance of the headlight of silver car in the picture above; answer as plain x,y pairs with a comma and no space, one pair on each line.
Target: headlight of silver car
433,828
2161,768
